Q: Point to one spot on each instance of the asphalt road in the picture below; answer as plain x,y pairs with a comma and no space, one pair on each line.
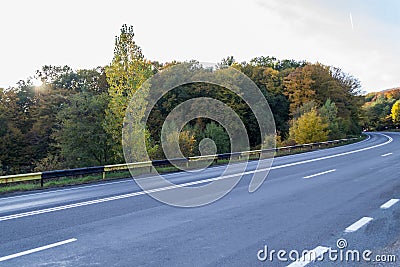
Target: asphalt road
308,201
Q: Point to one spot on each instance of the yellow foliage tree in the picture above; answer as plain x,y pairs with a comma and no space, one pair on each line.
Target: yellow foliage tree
126,73
309,128
185,139
396,112
187,142
298,87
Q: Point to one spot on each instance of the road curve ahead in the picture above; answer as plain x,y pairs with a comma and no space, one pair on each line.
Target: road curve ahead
308,201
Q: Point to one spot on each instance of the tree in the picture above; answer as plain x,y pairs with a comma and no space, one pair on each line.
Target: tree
377,113
270,82
329,113
81,138
226,62
220,137
185,139
396,112
264,61
126,73
84,80
14,147
298,87
309,128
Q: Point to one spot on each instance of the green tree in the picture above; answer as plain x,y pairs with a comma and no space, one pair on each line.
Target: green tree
396,112
84,80
126,73
13,156
329,113
81,138
377,113
309,128
270,82
220,137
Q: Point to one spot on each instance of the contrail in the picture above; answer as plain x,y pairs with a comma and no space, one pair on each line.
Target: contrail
351,20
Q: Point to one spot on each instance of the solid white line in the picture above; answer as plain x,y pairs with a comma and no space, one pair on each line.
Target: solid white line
311,256
26,252
334,156
318,174
389,203
96,201
358,224
126,180
388,154
168,174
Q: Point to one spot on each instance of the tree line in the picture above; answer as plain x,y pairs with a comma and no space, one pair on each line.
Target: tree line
74,119
381,110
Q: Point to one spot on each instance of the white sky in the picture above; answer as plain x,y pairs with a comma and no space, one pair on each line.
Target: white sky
81,33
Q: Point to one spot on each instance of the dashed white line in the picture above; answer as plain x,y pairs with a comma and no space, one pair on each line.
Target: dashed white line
26,252
389,203
358,224
309,257
318,174
388,154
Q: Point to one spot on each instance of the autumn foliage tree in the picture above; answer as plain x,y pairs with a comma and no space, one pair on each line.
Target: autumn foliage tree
298,87
396,112
126,73
309,128
76,117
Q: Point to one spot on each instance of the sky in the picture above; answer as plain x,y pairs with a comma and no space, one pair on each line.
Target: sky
360,36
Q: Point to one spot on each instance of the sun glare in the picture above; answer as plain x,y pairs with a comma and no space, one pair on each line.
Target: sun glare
37,82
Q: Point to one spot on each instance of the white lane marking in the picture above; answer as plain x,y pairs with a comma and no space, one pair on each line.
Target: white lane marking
101,200
318,174
388,154
358,224
334,156
126,180
26,252
309,257
96,201
168,174
389,203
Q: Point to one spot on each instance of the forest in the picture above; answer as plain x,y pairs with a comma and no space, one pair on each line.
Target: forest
74,118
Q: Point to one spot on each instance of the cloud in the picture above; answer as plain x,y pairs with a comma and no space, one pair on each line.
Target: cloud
208,30
316,31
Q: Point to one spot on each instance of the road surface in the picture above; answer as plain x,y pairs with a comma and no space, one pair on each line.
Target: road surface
308,202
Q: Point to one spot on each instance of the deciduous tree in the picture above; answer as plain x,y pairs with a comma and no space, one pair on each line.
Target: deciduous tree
126,73
396,112
309,128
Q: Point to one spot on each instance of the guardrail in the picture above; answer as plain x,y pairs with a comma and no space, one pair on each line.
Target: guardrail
42,176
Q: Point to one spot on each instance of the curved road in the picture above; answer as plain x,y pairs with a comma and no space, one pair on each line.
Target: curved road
307,202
